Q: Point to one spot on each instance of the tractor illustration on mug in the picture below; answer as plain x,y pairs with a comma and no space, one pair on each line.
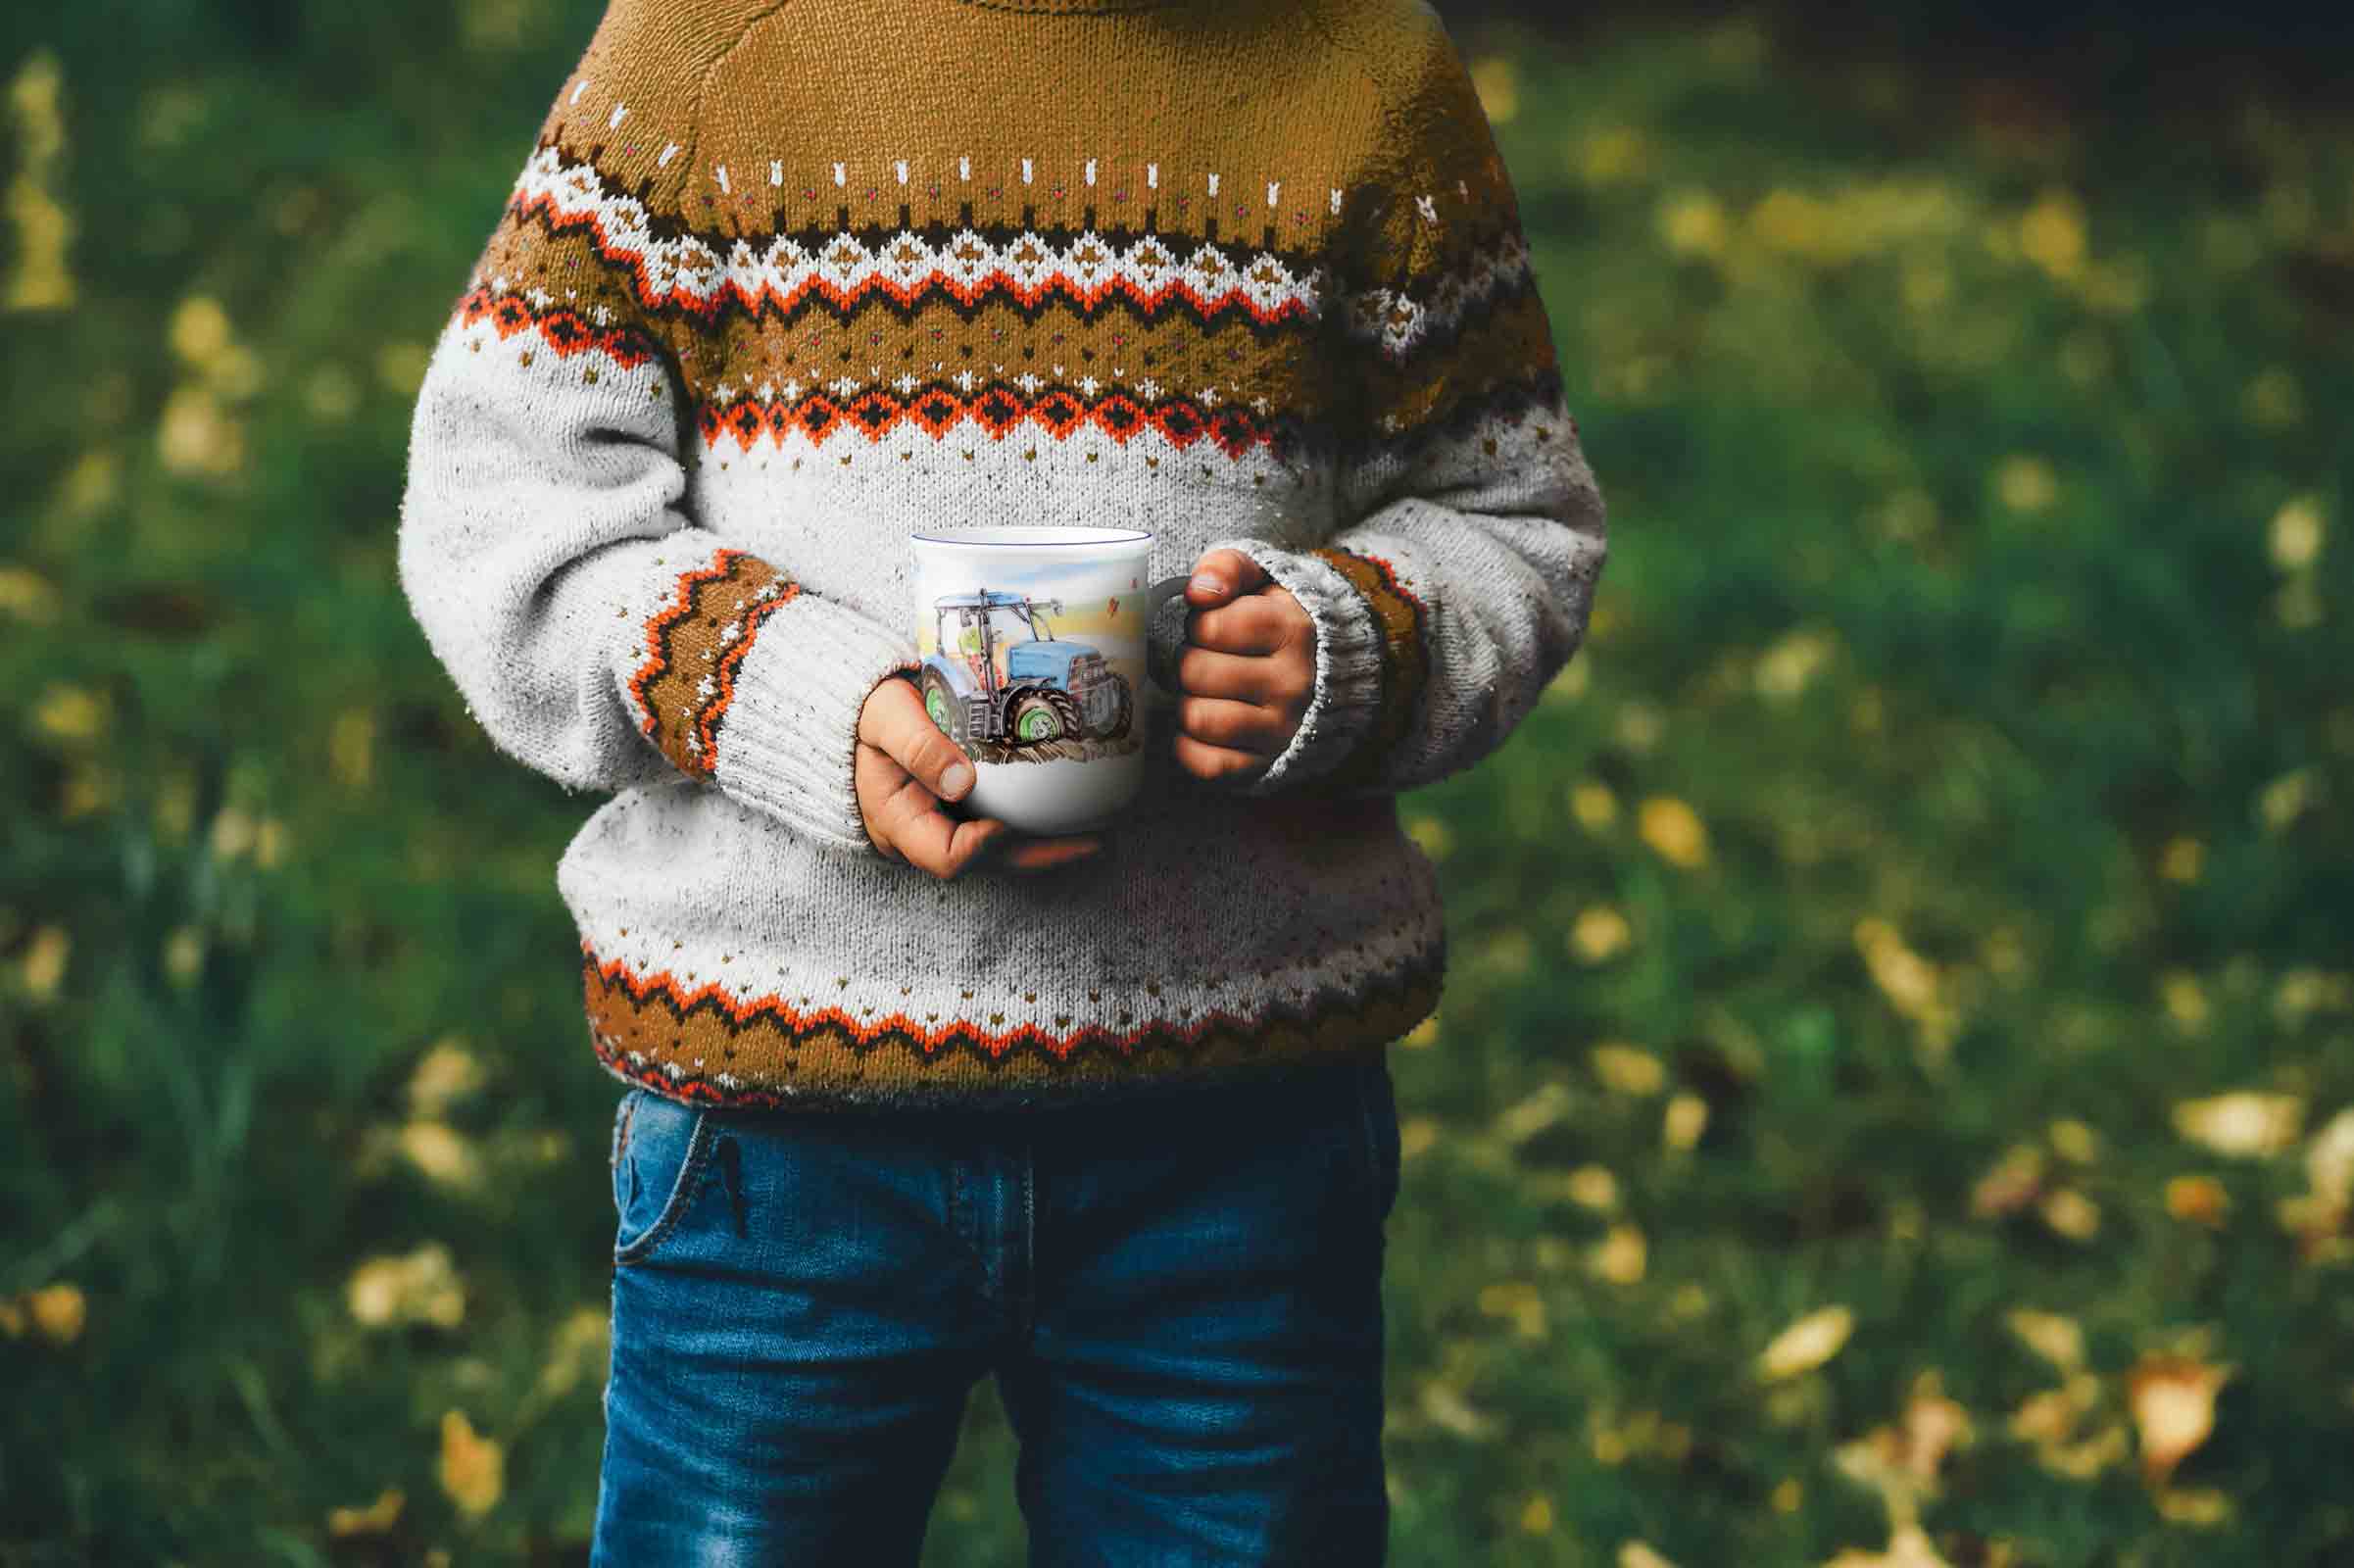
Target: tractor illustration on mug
987,689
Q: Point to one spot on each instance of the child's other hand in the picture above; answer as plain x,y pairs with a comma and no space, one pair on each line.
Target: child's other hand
1247,669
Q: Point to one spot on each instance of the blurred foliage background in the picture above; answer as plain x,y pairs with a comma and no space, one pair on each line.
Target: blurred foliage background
1894,1103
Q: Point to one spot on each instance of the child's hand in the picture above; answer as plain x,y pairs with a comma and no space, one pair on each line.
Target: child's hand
1247,669
904,767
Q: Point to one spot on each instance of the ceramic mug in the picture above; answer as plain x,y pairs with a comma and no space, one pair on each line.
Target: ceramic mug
1033,643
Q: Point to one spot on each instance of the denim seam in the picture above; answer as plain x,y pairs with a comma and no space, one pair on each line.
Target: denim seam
682,1192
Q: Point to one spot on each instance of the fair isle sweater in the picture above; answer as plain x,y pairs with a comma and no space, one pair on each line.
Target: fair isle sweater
783,283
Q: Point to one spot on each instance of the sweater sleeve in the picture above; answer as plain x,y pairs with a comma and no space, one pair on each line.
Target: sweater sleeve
1461,580
597,630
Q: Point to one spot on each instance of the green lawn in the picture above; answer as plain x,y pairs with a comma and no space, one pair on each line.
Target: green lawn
1896,1087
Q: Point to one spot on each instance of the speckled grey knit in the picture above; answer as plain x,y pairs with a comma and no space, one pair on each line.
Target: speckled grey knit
780,285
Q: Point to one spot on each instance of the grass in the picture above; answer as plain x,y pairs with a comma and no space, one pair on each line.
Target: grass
1900,970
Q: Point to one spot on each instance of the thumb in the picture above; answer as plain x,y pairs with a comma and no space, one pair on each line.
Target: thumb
1221,574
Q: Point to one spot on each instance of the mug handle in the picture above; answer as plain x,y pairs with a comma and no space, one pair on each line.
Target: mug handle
1154,597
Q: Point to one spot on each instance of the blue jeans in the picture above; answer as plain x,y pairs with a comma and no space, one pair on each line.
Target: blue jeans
1179,1294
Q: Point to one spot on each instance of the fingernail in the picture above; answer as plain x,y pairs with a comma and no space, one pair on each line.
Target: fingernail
958,779
1208,585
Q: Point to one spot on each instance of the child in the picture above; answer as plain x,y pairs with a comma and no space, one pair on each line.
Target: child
914,1099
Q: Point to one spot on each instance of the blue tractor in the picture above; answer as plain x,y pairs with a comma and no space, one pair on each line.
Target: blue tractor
1042,689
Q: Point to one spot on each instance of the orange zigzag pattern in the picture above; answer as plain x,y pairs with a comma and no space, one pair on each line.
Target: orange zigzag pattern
934,1039
703,757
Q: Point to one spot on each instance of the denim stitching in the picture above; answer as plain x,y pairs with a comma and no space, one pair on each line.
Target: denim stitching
682,1192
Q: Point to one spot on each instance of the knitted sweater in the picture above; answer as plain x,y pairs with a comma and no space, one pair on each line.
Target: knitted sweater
782,283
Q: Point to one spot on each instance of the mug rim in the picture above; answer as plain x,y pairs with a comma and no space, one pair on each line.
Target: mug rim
1085,537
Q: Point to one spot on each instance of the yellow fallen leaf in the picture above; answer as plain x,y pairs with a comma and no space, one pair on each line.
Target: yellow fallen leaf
1622,1255
2026,483
2052,234
2197,1201
1639,1554
1445,1407
2015,1181
1693,223
1519,1122
2199,1505
58,1313
2286,798
1593,806
1806,1344
1686,1120
2185,998
2083,1461
2172,1400
1496,82
442,1154
1786,668
2184,859
2058,1340
2296,533
1627,1069
2330,1160
576,1350
1519,1300
422,1287
200,329
1600,934
1593,1187
2049,1418
2073,1140
444,1074
2071,1214
1674,830
70,712
374,1520
2243,1124
44,961
1431,835
473,1468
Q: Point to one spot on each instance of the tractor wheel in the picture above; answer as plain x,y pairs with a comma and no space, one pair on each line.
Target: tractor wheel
1123,710
1044,713
941,702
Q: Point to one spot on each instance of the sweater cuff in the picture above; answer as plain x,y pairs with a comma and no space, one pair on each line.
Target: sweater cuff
788,743
1349,642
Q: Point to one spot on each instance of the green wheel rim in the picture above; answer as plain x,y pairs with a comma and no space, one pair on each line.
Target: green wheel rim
1038,724
937,706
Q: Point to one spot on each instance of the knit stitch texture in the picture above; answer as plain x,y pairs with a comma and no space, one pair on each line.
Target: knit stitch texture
780,284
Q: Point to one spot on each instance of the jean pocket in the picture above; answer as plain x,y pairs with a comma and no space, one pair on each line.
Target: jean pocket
1377,1104
661,1149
